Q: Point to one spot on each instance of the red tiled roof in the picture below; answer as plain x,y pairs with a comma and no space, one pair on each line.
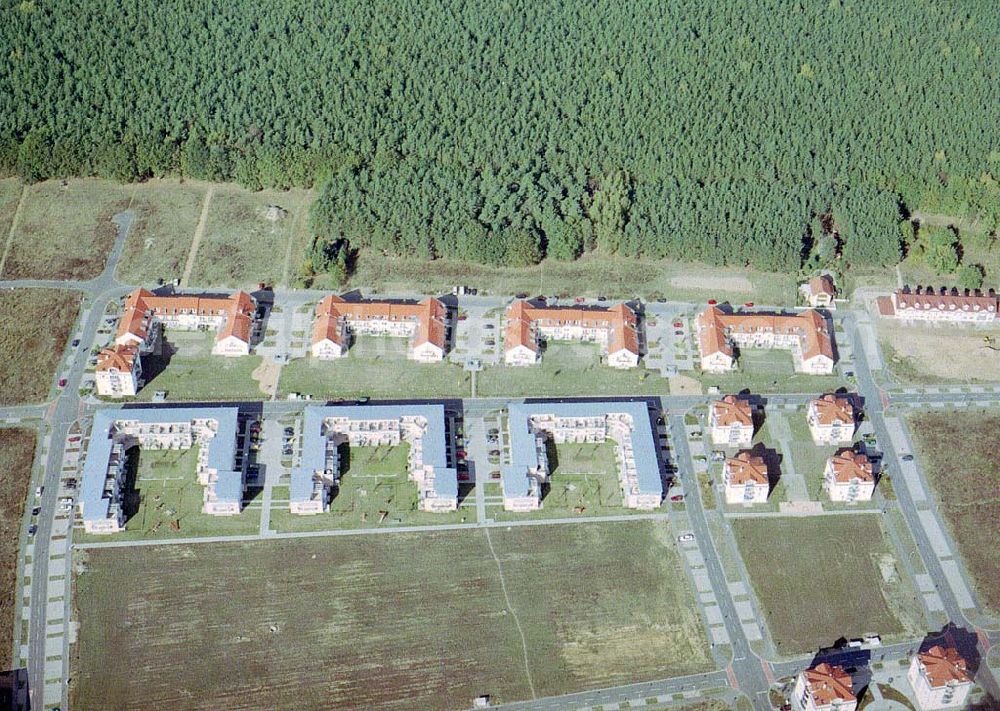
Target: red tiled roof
732,410
744,468
943,665
141,304
929,300
117,357
821,284
885,307
430,315
827,683
714,324
848,465
833,408
620,320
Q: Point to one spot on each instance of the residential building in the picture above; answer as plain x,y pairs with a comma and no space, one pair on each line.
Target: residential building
831,419
940,678
325,428
805,334
626,423
849,476
220,468
730,421
819,292
940,305
424,323
615,329
746,479
825,687
119,371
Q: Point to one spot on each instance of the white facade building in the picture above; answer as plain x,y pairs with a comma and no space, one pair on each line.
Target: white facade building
730,422
831,420
825,687
848,477
940,679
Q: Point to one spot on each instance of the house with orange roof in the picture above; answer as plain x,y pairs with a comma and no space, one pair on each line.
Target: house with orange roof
119,371
424,323
806,334
825,687
615,329
831,419
940,678
849,476
819,292
730,421
746,480
940,305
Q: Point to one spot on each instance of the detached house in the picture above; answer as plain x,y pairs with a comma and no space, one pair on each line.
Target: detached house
746,480
825,687
940,678
819,292
730,421
849,476
831,420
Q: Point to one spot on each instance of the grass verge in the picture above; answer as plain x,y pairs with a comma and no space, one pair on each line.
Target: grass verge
17,452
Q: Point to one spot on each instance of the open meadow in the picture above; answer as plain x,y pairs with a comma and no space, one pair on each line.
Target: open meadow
399,621
34,330
819,578
958,453
17,452
64,230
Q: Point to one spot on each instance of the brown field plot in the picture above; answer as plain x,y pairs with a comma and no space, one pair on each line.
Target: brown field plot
65,231
17,452
396,621
820,578
958,451
34,327
913,353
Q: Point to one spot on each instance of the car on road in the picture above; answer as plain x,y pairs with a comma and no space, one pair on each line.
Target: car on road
522,295
32,530
602,298
579,300
62,382
39,490
677,497
685,538
36,510
489,327
907,457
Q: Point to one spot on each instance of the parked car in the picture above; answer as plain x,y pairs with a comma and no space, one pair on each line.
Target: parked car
678,333
62,382
494,452
74,438
685,537
602,298
490,342
32,530
289,431
677,497
678,324
70,483
36,510
460,453
493,431
522,295
39,490
76,342
907,457
489,327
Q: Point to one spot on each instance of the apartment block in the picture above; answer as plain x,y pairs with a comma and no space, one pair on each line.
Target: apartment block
940,678
805,334
425,325
325,428
615,329
625,423
730,422
746,479
940,305
825,687
831,419
220,469
849,476
119,371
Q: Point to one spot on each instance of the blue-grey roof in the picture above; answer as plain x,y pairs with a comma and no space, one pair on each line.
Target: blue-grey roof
514,479
644,440
221,451
433,443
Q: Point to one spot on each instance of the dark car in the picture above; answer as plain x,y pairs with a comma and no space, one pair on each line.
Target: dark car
522,295
35,511
76,342
289,431
490,342
32,529
907,457
489,327
602,298
494,452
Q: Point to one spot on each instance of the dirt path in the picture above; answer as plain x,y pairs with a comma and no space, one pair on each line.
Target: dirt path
297,224
267,375
13,226
198,232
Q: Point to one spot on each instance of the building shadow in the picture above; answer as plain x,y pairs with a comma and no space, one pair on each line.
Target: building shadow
772,460
131,495
155,363
14,690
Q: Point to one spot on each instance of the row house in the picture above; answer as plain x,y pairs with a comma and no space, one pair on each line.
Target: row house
423,427
425,325
832,419
940,679
730,422
746,479
939,306
849,476
615,329
805,334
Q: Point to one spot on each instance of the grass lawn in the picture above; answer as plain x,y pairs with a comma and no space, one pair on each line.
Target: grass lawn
377,367
189,371
34,329
166,490
240,248
10,194
913,352
569,369
810,460
591,275
374,482
17,452
158,244
819,578
65,232
769,370
958,451
396,621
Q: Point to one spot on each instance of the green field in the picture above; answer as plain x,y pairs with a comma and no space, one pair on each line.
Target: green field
769,370
377,367
164,489
819,578
17,452
400,621
374,491
158,243
191,372
34,330
65,231
958,452
241,248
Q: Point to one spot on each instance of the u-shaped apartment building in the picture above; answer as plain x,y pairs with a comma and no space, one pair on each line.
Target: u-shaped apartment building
626,423
325,428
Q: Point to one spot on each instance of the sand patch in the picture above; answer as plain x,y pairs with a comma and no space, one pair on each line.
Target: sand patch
710,282
267,374
684,385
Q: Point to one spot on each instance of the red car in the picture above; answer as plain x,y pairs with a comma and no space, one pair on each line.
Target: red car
677,497
712,302
678,324
749,304
579,300
62,382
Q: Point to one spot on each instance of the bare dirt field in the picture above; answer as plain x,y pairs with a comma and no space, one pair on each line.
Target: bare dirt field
34,329
17,452
712,282
913,353
958,450
397,621
65,229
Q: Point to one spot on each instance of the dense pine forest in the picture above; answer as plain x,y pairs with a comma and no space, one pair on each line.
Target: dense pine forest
502,131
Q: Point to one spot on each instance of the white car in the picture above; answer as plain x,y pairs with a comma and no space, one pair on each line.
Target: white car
685,538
